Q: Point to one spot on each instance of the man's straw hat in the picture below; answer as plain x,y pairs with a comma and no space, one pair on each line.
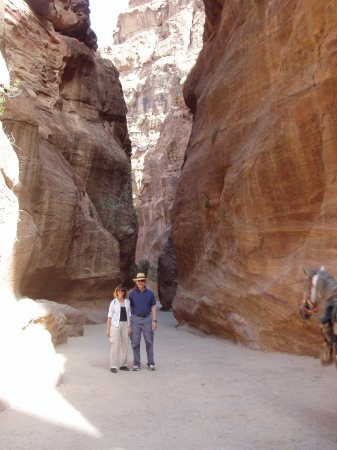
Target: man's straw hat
140,276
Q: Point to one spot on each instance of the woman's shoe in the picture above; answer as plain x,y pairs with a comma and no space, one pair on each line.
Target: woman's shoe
114,370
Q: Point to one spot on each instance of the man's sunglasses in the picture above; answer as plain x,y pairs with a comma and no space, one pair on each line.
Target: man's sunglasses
140,281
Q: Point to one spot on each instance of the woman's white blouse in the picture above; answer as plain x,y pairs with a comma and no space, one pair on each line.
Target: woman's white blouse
115,311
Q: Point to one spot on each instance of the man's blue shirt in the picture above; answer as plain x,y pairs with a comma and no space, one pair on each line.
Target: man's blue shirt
141,302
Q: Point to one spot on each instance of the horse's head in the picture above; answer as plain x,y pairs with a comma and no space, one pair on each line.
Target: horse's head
311,299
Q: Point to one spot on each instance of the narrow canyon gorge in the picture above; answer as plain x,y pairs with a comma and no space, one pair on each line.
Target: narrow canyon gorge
197,145
201,141
252,206
154,48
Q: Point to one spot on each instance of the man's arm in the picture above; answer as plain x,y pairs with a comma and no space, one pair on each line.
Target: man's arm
154,317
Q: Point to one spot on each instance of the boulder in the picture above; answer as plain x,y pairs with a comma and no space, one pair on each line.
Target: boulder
75,319
46,314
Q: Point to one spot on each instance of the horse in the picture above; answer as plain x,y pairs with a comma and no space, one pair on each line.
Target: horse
320,298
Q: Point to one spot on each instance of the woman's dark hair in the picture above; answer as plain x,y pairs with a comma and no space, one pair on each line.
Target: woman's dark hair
120,287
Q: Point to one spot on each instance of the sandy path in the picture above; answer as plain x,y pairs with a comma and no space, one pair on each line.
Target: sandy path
206,393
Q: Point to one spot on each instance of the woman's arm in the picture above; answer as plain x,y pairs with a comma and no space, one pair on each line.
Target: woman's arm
108,325
129,317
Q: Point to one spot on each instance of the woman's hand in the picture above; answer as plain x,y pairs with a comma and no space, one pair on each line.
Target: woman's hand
108,333
129,333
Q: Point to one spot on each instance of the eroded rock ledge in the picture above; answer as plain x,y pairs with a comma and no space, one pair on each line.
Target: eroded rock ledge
256,196
69,17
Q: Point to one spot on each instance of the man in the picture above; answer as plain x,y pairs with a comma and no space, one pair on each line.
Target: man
143,303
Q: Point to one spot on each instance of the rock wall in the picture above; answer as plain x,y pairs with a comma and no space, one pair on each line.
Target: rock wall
156,44
32,347
256,198
77,227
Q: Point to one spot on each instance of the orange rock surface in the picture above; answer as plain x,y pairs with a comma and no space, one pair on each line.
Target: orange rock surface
257,196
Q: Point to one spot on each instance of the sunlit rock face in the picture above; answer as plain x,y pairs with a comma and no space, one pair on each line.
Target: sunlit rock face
256,198
77,228
156,44
9,206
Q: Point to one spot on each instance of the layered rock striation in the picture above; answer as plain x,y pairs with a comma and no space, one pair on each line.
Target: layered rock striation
256,198
77,228
156,44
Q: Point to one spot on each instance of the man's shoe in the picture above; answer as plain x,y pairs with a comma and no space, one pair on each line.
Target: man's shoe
114,370
135,368
125,368
152,367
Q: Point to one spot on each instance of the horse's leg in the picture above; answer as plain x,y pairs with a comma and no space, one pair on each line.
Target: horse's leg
325,355
334,332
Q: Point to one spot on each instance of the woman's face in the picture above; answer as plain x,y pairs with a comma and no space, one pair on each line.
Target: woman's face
120,293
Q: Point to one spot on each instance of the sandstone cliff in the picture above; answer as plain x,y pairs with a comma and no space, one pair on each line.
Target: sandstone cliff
156,44
257,196
77,227
32,347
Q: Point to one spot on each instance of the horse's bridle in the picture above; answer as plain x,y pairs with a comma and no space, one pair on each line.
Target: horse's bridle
309,307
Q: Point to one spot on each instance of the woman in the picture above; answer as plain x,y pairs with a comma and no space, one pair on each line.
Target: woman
119,329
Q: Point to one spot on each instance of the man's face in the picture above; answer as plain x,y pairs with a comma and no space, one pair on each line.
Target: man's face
140,284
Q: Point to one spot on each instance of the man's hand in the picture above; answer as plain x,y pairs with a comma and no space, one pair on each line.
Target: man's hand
154,326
